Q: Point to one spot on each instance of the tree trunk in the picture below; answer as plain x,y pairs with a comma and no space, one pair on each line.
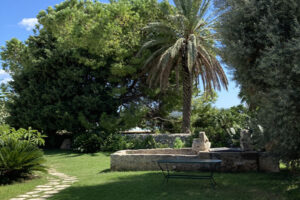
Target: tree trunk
187,94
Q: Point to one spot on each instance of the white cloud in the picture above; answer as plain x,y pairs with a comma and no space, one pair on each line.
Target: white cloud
5,80
3,73
28,23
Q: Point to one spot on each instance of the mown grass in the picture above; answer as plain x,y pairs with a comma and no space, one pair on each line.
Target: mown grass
97,182
13,190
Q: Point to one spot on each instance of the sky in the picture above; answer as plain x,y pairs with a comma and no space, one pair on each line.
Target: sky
17,19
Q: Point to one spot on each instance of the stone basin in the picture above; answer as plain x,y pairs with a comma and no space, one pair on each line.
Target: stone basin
233,160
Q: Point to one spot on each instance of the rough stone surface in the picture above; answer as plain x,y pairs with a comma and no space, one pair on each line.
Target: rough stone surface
66,144
42,192
23,196
144,160
168,139
201,144
267,163
246,141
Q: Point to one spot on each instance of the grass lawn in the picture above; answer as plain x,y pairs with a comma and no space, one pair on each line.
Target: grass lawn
11,191
97,182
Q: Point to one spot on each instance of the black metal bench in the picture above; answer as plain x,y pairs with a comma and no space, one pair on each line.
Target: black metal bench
212,163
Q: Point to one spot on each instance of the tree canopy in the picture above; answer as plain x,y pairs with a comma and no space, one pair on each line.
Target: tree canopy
261,45
184,42
79,70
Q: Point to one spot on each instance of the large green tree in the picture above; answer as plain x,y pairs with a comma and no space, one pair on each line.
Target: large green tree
261,44
79,69
53,91
183,45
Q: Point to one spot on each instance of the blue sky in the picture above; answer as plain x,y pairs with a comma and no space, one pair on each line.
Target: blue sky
18,19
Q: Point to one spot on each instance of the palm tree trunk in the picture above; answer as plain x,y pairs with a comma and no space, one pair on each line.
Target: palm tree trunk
187,94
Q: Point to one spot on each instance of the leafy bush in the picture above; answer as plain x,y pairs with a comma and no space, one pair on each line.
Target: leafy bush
178,144
87,143
115,142
147,143
19,158
30,135
3,109
19,153
261,46
222,126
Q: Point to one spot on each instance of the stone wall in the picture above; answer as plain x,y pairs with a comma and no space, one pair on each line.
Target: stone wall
161,138
143,160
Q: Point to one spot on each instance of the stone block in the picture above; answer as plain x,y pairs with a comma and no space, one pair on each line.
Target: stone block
267,163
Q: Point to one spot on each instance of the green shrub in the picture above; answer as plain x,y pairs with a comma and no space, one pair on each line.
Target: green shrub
115,142
30,135
19,159
87,143
222,126
178,144
148,143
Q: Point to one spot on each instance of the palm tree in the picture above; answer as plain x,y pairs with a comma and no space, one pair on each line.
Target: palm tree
184,45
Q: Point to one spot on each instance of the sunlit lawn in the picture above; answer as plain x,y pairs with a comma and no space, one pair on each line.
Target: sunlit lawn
11,191
97,182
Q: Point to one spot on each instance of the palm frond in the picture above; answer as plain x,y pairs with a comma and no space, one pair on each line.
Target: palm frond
191,26
152,57
154,42
160,28
211,71
203,10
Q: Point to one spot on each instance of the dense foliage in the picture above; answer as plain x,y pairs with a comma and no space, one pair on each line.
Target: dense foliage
91,143
19,153
87,143
261,44
178,144
79,71
3,103
32,136
183,46
223,126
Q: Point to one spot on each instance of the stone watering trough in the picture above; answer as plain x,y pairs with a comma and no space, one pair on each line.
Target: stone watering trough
233,159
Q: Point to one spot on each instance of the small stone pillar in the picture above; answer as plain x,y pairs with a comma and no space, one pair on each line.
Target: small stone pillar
267,163
66,144
202,143
246,141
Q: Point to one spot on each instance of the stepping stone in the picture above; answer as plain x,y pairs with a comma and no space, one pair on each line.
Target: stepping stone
17,199
44,189
52,192
34,192
24,196
54,183
43,186
37,199
54,186
62,186
68,183
73,179
47,196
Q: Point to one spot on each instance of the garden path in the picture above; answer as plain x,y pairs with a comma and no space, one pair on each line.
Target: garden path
58,182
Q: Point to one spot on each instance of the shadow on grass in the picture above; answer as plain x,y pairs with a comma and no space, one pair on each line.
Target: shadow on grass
69,153
105,171
151,186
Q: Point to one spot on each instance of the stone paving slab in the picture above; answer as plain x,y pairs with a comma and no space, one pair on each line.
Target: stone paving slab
54,186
